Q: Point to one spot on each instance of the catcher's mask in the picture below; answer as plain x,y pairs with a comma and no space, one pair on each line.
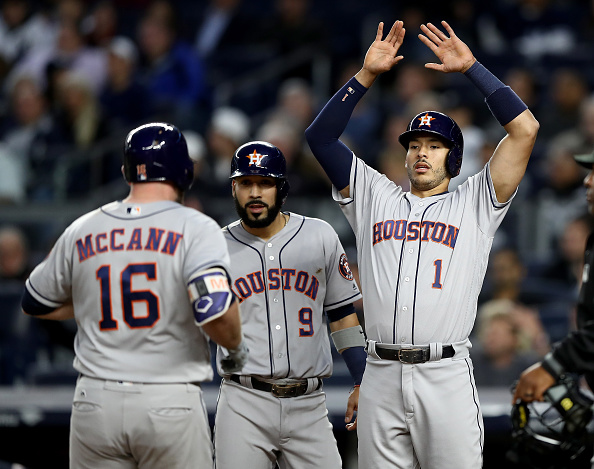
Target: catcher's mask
553,434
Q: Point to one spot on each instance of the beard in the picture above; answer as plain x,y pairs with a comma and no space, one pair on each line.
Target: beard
421,184
261,219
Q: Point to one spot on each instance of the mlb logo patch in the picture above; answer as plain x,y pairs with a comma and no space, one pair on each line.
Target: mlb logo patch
133,211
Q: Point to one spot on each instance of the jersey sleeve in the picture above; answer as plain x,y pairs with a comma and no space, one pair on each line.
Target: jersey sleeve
488,210
50,283
341,288
367,187
206,247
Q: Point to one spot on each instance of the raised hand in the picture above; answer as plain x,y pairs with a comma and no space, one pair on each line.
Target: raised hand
454,54
381,55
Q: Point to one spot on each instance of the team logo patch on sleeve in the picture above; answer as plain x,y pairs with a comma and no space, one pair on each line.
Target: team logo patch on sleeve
343,267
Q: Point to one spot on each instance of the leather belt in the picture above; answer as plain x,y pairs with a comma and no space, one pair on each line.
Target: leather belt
411,355
279,390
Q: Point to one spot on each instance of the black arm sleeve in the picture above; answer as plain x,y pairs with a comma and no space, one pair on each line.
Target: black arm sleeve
322,135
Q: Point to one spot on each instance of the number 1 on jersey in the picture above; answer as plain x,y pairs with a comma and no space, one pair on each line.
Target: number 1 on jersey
437,280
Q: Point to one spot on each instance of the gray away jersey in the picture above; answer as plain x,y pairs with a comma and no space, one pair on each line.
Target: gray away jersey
422,261
126,268
284,285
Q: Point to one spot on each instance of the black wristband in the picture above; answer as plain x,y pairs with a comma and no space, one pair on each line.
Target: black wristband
552,366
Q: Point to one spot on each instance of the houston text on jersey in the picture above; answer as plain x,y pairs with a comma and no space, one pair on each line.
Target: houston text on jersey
428,231
254,283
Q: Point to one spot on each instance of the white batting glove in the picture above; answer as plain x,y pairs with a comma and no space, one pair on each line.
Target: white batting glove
234,362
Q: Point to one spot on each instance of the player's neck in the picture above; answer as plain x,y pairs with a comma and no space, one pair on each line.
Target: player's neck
440,189
147,192
269,231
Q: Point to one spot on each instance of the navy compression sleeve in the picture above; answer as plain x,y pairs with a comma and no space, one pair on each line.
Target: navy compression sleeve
322,135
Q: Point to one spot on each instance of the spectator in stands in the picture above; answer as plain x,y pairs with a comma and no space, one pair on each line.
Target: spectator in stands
474,137
125,101
171,70
222,29
293,28
303,171
392,155
503,346
71,52
15,261
560,111
295,103
561,196
197,151
412,81
22,29
568,258
505,279
228,128
535,28
100,25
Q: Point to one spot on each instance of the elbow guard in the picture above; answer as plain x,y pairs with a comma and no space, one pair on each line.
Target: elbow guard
209,294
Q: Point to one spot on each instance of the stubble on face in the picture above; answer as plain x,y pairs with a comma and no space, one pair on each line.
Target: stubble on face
423,182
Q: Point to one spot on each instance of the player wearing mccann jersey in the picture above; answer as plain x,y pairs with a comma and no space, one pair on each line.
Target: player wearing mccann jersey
138,276
286,270
422,259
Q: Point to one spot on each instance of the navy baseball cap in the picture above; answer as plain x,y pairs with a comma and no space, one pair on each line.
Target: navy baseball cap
587,160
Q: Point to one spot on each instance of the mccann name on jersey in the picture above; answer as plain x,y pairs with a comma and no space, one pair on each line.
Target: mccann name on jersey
120,239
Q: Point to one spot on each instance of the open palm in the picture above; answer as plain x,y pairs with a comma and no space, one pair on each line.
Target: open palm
381,55
454,54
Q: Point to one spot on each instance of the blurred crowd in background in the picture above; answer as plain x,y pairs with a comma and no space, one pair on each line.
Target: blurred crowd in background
76,76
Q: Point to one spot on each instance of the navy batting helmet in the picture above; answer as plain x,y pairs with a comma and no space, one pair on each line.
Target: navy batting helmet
158,152
437,123
261,159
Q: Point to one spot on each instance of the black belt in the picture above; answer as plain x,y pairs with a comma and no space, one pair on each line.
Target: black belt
278,390
411,355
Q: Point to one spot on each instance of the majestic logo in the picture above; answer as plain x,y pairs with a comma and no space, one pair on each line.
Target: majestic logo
426,120
343,267
255,158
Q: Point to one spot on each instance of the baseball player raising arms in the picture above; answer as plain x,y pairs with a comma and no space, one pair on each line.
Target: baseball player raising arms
286,270
422,259
138,276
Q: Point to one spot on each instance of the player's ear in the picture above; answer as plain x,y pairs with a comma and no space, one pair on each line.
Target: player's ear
124,174
233,187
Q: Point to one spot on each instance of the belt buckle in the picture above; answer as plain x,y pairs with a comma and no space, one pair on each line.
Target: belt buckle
286,390
411,356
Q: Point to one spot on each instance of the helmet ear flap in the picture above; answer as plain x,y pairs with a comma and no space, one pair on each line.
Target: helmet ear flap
282,187
454,161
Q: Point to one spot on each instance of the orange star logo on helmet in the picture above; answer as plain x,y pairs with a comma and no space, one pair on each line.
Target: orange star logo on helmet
426,120
255,158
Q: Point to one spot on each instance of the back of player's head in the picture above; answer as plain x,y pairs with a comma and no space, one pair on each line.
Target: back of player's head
260,158
445,127
158,152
